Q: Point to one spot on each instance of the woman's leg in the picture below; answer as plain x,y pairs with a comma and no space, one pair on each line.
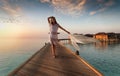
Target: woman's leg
53,50
54,43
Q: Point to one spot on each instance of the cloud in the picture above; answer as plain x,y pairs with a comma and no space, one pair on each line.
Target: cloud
10,9
93,12
80,7
43,1
13,13
109,3
70,7
103,6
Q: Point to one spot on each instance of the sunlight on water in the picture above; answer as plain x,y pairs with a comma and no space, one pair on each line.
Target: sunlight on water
14,52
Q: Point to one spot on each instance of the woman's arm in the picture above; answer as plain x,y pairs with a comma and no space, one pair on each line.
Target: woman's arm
63,29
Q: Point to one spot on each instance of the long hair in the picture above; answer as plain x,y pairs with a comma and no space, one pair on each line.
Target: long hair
55,22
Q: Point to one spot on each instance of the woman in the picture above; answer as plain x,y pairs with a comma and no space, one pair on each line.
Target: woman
53,33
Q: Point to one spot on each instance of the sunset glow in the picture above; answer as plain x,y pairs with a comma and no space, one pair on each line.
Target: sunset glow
28,18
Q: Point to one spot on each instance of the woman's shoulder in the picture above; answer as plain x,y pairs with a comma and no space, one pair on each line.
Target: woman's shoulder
57,24
54,24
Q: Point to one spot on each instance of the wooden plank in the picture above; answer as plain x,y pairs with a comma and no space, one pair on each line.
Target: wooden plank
63,39
66,64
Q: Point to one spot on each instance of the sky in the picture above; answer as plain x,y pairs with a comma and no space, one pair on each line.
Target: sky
28,18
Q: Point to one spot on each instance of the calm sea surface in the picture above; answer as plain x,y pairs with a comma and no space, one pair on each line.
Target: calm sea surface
103,56
14,52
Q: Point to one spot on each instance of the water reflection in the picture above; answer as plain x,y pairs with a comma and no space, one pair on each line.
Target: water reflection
105,56
14,52
105,45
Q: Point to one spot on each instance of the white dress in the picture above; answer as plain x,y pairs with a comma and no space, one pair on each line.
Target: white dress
53,33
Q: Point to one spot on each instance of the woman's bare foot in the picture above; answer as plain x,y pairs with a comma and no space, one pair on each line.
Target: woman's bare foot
54,56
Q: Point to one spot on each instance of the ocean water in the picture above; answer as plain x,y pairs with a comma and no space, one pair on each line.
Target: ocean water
103,56
14,52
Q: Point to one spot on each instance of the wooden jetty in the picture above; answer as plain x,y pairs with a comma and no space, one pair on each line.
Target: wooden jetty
66,63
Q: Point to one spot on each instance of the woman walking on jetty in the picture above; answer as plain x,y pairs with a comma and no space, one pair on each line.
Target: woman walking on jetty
53,33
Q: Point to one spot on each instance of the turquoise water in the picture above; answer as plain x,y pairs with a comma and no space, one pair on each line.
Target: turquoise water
13,52
103,56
